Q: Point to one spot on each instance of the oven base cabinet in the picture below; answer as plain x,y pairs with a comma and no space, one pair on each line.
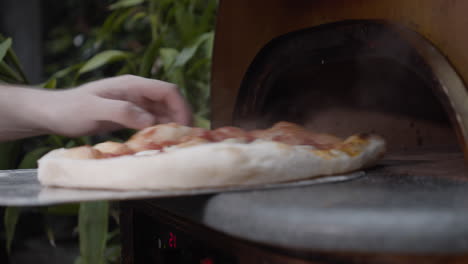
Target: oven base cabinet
152,234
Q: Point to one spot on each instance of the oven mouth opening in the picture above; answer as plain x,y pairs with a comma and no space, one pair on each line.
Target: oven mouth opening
355,76
365,94
344,78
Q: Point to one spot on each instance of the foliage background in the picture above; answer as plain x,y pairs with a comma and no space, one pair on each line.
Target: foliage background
170,40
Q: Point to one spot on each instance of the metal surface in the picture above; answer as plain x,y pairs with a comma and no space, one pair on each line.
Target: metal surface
21,188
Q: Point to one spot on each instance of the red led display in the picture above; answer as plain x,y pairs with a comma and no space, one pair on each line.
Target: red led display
206,261
172,240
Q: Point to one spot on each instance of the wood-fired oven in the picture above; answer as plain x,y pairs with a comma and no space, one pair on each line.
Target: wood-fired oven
393,67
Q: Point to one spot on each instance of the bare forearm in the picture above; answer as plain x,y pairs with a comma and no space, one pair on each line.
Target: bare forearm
20,112
105,105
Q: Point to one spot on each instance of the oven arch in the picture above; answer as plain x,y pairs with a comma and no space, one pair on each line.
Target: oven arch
341,60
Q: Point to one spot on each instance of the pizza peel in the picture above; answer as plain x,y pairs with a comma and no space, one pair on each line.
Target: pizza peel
21,188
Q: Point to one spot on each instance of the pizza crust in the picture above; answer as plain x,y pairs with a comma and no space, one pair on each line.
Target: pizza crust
210,165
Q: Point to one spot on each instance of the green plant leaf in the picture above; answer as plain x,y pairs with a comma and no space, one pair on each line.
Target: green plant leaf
55,140
107,26
187,53
83,140
67,71
197,65
4,47
177,76
50,235
70,144
125,3
10,220
6,70
168,57
202,122
30,160
135,18
122,18
6,80
185,21
154,22
50,84
149,58
154,19
126,69
13,59
112,24
209,43
102,59
93,225
208,16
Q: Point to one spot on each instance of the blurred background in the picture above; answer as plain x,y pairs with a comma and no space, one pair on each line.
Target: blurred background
61,44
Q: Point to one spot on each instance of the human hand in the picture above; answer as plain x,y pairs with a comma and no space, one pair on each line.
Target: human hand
113,103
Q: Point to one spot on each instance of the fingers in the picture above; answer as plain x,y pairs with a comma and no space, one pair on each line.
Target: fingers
162,99
178,106
124,113
160,92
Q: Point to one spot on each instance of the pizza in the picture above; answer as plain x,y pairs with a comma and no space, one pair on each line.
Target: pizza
172,156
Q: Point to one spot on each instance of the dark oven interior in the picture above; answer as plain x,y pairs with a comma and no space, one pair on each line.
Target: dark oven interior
349,77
